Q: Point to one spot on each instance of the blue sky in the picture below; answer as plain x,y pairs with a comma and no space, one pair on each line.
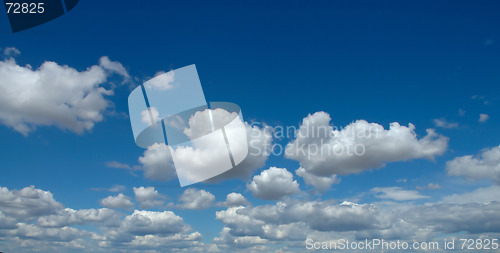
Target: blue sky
430,64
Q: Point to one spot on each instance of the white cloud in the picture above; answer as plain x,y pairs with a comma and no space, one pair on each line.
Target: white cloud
480,195
157,162
430,186
483,117
150,116
484,166
321,183
156,231
396,193
443,123
235,199
196,199
53,95
162,81
119,201
27,203
32,219
259,140
148,197
114,188
324,152
113,67
148,222
273,184
11,51
68,217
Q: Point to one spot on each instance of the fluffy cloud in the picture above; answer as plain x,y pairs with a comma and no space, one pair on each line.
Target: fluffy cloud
297,220
30,218
259,141
396,193
68,217
196,199
54,95
484,166
273,184
235,199
323,151
27,203
148,197
320,182
119,201
157,162
159,231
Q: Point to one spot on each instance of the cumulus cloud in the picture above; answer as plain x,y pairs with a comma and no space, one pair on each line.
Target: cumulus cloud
68,217
320,182
158,231
157,163
396,193
483,117
324,151
119,201
148,197
486,165
27,203
273,184
235,199
297,220
196,199
54,95
150,116
30,218
259,140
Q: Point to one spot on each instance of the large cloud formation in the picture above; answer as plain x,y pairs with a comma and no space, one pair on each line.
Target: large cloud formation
55,95
31,218
324,152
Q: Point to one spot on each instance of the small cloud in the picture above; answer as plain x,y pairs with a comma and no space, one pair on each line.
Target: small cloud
430,186
443,123
402,180
461,112
396,193
115,188
11,51
119,165
433,186
483,117
234,199
489,42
